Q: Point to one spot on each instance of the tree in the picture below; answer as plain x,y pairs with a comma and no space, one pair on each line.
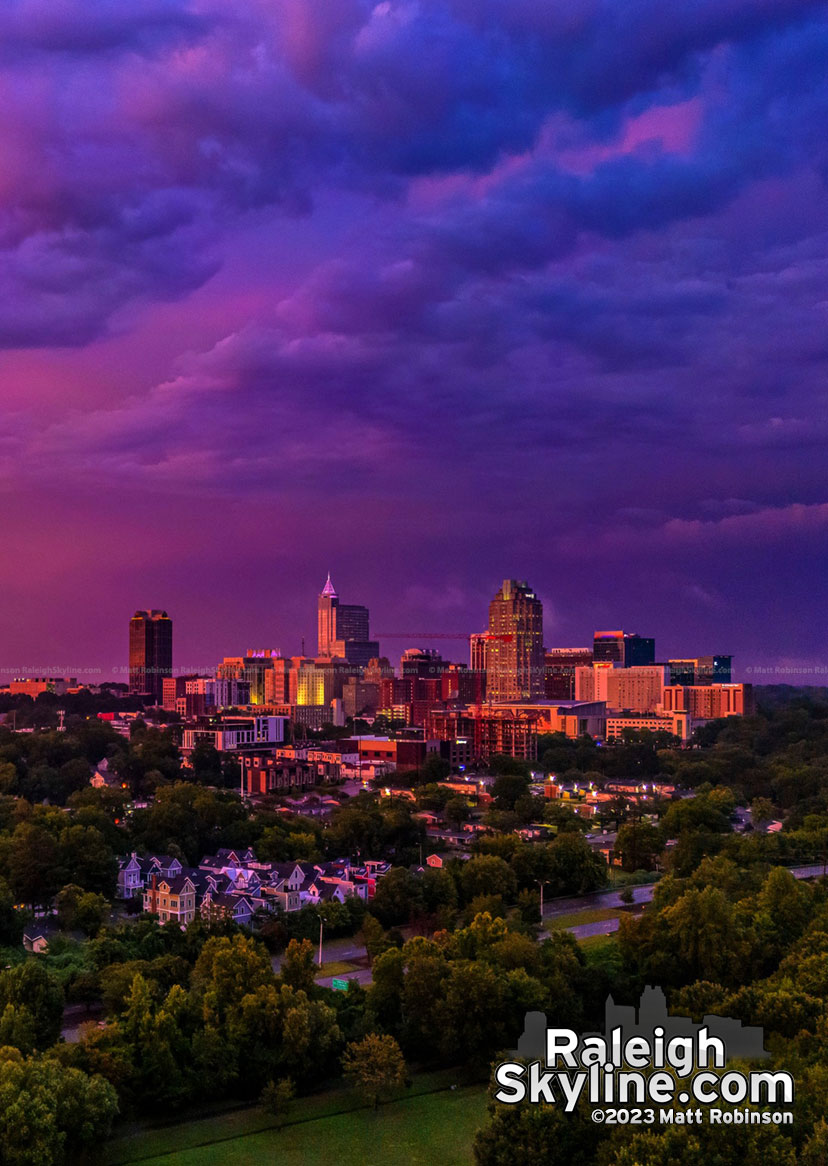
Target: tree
374,937
385,994
88,859
81,909
50,1114
298,968
456,811
11,920
398,895
702,1144
276,1098
375,1065
226,970
31,987
639,844
488,875
310,1035
536,1133
574,867
33,865
761,810
704,934
508,788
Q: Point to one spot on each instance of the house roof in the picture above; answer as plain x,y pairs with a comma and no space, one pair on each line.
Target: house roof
179,884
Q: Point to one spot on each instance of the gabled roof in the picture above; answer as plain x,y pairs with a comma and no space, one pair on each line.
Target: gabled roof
181,883
229,903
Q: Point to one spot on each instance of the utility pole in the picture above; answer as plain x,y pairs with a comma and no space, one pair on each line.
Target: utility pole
320,942
541,885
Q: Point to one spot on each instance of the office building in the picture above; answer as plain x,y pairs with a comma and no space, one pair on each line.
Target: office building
677,724
514,652
254,669
638,689
343,629
150,652
234,734
710,701
559,671
591,680
624,649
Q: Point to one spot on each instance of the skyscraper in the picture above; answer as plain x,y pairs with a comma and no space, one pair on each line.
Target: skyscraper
326,617
150,652
342,628
515,659
559,671
624,649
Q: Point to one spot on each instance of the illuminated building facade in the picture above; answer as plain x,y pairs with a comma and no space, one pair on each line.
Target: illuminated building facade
514,652
150,652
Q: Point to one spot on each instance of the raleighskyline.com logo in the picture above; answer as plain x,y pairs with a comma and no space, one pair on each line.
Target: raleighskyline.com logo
648,1069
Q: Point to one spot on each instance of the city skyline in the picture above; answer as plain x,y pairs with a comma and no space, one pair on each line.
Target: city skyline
454,643
288,288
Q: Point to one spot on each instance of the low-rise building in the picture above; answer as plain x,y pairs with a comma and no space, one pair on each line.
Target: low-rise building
173,900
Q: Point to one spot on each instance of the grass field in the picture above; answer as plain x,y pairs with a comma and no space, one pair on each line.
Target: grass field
337,968
576,918
414,1131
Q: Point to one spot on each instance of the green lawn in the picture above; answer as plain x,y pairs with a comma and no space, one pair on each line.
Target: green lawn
575,918
433,1127
337,968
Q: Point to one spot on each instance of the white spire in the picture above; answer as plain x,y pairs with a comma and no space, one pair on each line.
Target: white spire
329,591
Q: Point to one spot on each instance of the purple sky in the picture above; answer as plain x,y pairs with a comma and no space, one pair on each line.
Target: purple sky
428,294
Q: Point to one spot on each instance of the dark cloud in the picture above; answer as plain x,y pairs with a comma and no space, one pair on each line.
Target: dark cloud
529,285
192,115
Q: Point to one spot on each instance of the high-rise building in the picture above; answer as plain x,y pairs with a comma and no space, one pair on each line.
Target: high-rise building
514,655
423,663
254,669
624,649
342,628
326,608
478,651
636,689
150,652
559,671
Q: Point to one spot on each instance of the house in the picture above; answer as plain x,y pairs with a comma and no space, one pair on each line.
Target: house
173,900
289,873
135,872
236,908
279,896
434,860
162,864
36,942
130,877
103,777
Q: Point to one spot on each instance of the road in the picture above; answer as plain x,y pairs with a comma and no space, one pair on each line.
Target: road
348,950
640,895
